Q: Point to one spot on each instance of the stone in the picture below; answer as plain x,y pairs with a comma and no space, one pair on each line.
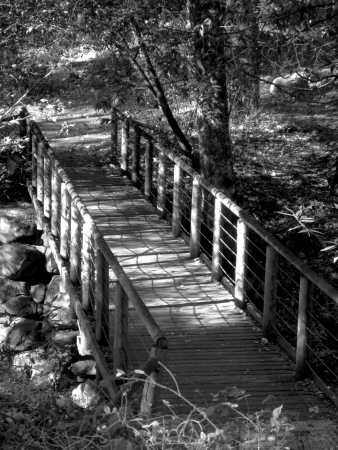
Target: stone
16,229
86,395
20,335
84,367
11,288
21,305
58,303
22,262
38,292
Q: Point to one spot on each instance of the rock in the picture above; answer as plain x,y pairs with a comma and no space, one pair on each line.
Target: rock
84,368
20,335
86,395
21,305
63,338
59,303
10,288
38,292
16,229
43,367
22,262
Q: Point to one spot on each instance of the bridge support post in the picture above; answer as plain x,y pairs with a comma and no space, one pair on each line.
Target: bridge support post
56,203
47,187
161,184
75,245
270,290
216,272
120,329
34,159
195,219
302,329
124,147
87,268
241,259
114,137
39,171
135,166
102,299
177,212
148,170
64,222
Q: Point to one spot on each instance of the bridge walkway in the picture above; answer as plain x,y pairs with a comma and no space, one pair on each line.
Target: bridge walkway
211,345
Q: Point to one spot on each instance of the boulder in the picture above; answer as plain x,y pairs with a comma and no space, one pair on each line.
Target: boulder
86,395
38,292
16,229
43,367
21,305
22,262
296,84
10,288
84,367
20,335
58,303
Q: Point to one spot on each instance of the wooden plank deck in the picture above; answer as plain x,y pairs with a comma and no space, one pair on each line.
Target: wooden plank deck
211,345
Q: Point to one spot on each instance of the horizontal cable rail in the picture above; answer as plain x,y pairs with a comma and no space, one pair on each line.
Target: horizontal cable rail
294,305
91,274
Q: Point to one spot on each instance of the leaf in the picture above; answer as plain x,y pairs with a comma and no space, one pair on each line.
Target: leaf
276,412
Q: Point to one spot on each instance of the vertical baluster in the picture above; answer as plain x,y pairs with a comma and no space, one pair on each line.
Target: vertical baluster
75,245
64,222
56,201
39,172
302,329
148,170
270,291
34,160
114,137
177,212
216,272
23,123
120,329
241,259
102,299
148,396
47,187
28,143
195,220
135,167
124,146
161,184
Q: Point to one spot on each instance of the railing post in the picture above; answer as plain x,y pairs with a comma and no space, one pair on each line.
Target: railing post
148,396
64,222
56,201
195,219
75,245
270,291
47,187
34,160
87,267
135,166
148,169
302,330
114,137
102,299
216,272
177,212
23,123
161,184
124,146
39,172
120,329
241,259
28,143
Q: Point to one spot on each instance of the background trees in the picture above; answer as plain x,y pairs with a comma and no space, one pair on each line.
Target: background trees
206,55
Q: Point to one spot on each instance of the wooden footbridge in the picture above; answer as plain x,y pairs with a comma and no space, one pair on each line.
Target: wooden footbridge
165,263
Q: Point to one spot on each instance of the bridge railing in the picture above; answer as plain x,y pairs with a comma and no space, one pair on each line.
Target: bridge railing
293,304
91,274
